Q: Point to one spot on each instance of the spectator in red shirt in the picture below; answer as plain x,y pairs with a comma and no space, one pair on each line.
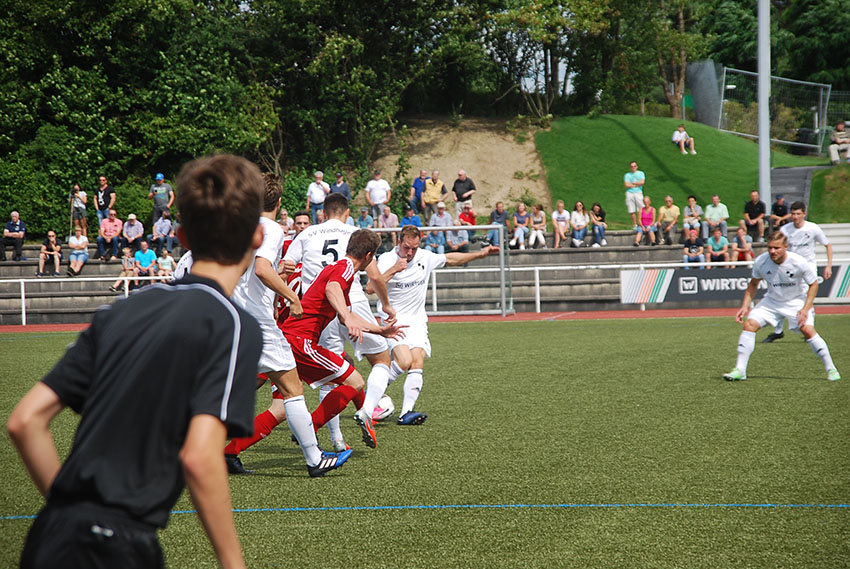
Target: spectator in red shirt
109,234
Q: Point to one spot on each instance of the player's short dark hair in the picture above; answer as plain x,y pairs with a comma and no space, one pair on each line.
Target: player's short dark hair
798,206
410,231
301,212
777,236
220,200
363,242
273,191
335,204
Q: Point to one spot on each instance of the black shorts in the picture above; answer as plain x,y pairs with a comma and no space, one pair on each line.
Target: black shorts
86,535
78,213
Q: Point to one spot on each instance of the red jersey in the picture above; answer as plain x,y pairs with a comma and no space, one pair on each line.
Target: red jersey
318,311
293,281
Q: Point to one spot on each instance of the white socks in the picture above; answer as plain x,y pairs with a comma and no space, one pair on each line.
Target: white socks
412,387
746,345
333,424
376,386
301,424
779,326
821,351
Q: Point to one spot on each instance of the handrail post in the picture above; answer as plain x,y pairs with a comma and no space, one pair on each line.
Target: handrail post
434,291
537,289
126,287
23,303
502,298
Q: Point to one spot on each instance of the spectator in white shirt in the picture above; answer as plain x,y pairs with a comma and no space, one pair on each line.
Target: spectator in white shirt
378,192
316,193
683,140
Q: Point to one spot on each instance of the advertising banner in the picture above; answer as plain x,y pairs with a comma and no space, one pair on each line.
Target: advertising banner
653,286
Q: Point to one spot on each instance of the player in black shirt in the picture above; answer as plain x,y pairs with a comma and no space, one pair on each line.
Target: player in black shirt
147,425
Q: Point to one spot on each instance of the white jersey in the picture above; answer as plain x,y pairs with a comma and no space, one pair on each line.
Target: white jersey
407,290
802,241
788,282
317,247
250,293
184,265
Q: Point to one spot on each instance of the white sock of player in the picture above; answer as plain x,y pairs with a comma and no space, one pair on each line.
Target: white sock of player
746,345
819,348
301,424
395,371
779,326
412,387
376,386
333,424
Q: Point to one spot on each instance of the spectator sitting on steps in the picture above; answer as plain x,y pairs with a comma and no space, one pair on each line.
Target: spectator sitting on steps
128,263
579,221
718,247
560,223
79,255
51,250
538,226
840,140
693,251
521,220
647,225
13,234
742,246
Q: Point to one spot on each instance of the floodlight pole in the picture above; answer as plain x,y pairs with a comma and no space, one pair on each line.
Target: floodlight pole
764,99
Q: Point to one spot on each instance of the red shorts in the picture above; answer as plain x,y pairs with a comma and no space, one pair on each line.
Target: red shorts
317,365
744,256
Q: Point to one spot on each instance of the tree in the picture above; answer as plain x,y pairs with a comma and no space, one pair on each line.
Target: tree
676,43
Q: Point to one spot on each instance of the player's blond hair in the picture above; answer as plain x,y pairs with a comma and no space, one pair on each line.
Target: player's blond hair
777,236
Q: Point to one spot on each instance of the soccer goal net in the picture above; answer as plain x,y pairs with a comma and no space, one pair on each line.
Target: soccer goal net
798,109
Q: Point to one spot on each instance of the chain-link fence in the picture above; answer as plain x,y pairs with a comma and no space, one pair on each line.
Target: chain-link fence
798,109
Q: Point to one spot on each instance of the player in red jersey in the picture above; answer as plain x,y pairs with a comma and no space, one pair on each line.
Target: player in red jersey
328,298
266,421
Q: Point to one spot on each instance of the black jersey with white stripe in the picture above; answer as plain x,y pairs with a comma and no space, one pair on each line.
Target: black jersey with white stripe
143,369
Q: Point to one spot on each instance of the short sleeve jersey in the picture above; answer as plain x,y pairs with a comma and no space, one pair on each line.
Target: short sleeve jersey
787,282
318,311
415,221
317,247
145,259
378,190
16,226
755,209
184,265
161,194
561,217
49,246
251,294
693,246
716,212
680,135
668,214
135,415
634,177
802,241
716,246
407,290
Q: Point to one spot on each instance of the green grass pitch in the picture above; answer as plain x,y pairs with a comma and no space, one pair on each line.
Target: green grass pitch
586,413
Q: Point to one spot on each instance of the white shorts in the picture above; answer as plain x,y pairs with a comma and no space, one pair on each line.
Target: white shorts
335,334
276,355
769,313
634,201
415,336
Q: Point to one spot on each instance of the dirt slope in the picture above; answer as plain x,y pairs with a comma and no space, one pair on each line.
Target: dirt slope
501,167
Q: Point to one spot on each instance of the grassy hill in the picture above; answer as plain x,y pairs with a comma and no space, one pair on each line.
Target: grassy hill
585,159
830,199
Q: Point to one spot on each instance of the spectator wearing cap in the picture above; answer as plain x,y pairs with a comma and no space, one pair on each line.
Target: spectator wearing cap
316,193
463,190
410,218
388,220
436,240
378,192
133,233
163,232
162,195
341,186
365,221
467,217
779,214
416,189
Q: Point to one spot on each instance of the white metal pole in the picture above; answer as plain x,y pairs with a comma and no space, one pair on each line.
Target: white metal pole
434,291
764,99
23,303
537,289
502,298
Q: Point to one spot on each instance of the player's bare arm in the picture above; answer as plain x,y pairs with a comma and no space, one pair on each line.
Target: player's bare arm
455,259
270,277
206,478
827,271
749,295
28,427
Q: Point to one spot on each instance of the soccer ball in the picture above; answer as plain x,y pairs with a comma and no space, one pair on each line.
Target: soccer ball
384,410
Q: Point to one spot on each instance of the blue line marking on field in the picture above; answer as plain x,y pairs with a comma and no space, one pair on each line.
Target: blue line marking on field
497,507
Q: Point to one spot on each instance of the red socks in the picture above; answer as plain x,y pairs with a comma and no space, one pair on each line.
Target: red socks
359,399
263,425
333,403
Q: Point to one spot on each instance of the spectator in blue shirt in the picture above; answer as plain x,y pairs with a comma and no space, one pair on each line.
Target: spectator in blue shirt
410,219
145,261
365,221
13,234
416,189
497,216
